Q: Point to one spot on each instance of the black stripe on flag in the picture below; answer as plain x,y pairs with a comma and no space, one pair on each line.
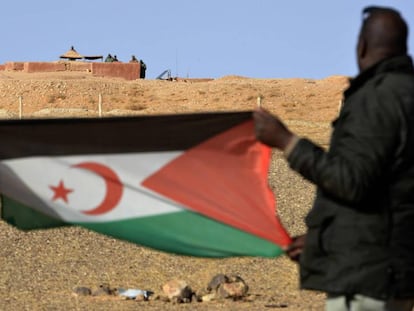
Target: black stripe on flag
54,137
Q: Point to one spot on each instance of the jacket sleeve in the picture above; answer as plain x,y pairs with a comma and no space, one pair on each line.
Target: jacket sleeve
362,147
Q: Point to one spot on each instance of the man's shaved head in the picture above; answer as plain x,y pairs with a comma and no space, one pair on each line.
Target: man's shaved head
383,34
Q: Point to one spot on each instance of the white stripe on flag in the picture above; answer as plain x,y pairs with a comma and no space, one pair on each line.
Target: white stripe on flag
89,189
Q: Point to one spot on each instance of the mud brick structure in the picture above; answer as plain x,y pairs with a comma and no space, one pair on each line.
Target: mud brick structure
43,67
78,66
14,66
127,71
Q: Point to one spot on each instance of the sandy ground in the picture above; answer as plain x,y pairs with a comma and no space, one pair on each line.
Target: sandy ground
39,269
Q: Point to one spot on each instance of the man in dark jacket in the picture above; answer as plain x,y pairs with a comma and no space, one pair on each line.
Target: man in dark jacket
359,246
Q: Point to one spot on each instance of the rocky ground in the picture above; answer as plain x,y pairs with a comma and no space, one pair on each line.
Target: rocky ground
40,270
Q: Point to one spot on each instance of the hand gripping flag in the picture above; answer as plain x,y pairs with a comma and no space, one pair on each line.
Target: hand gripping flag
193,184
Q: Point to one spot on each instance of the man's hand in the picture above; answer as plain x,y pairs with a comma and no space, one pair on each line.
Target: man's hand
270,130
295,249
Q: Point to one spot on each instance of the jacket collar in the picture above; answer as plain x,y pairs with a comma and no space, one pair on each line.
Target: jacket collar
402,64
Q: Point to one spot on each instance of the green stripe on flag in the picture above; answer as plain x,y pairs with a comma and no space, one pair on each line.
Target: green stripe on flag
187,233
26,218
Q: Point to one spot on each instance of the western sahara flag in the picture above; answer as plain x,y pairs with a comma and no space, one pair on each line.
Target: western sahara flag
192,184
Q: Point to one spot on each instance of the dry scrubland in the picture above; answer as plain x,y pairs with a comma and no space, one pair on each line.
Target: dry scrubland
39,269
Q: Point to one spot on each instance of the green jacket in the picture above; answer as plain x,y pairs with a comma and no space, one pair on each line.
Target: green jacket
360,237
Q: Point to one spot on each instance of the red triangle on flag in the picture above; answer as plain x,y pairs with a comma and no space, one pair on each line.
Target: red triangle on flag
225,178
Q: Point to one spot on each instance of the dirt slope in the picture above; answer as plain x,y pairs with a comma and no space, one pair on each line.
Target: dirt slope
39,269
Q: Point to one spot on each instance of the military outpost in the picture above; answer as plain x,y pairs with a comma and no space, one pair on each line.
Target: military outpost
73,61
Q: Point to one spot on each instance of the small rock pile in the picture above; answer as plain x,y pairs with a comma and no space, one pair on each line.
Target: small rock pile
226,287
220,287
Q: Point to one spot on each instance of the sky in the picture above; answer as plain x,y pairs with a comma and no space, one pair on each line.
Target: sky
196,39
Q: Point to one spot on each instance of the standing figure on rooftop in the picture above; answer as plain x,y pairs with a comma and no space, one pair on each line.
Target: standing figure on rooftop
143,69
109,59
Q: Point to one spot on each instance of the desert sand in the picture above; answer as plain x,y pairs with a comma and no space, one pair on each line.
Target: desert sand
39,269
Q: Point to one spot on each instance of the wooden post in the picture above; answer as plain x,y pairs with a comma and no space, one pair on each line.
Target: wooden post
100,105
259,101
20,106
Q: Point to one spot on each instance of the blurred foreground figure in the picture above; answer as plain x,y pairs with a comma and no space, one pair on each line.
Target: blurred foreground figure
359,245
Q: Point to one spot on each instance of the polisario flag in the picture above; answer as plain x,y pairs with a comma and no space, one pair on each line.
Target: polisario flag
193,184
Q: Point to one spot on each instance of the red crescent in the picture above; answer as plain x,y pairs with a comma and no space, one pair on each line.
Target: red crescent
114,187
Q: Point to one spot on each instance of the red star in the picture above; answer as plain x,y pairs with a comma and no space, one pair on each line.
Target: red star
60,192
